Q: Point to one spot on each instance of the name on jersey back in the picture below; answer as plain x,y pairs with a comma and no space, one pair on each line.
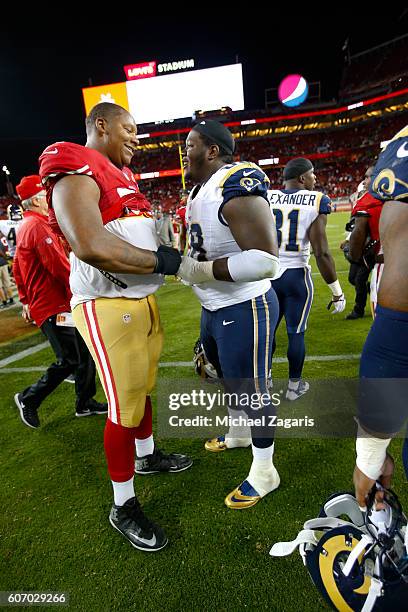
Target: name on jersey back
293,199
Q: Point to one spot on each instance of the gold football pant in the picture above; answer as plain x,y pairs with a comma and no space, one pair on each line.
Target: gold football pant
125,339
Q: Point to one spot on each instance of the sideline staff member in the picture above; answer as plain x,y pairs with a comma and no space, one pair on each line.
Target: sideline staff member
41,271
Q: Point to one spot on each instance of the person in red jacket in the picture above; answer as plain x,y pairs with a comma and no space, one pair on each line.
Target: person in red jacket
365,237
41,272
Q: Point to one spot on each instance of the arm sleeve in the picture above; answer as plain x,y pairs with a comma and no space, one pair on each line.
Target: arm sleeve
19,280
325,205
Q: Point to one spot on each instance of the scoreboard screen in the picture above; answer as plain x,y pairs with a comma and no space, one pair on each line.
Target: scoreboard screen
173,96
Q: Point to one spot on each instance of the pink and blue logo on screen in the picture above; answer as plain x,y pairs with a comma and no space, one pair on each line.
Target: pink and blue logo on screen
293,90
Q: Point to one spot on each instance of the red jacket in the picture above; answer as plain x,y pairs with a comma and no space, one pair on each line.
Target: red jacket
369,207
41,269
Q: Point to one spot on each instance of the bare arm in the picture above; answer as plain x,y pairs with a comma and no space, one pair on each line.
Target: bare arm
358,238
321,251
75,201
252,225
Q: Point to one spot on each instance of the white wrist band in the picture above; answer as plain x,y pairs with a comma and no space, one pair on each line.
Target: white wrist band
335,288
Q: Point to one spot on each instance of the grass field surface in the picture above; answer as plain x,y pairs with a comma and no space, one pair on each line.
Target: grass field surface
56,495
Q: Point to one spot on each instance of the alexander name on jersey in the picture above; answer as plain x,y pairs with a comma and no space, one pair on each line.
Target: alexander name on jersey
294,211
299,198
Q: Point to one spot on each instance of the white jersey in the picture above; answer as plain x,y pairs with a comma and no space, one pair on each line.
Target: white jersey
295,210
87,282
210,237
9,230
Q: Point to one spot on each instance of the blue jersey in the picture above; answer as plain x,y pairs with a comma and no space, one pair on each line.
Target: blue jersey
390,175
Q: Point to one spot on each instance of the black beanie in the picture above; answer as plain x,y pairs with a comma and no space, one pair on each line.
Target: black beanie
295,167
218,133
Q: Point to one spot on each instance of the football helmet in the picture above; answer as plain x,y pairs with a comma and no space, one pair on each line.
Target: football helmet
14,212
357,560
201,364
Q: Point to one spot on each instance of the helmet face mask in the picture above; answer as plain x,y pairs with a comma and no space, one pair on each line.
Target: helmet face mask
14,212
202,366
357,560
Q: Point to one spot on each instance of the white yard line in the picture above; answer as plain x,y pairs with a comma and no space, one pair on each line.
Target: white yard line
189,364
346,357
22,354
338,272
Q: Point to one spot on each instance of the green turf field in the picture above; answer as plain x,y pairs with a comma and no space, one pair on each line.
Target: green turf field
56,495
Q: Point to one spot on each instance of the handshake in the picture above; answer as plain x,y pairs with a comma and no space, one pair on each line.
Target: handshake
169,261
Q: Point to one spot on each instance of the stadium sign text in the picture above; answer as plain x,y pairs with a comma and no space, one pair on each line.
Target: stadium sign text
151,69
173,66
140,71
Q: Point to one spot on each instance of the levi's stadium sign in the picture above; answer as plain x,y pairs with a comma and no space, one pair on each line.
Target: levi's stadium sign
140,71
151,69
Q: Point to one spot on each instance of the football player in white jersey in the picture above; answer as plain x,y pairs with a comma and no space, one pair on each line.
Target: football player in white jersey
9,226
301,216
232,257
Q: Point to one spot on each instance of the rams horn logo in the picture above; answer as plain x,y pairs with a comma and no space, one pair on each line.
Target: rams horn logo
384,183
249,183
358,561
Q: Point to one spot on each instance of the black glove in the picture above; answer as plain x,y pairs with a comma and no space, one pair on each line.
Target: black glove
350,224
168,260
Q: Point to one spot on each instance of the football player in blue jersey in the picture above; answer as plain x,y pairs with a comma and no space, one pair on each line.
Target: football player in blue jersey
232,257
301,218
383,410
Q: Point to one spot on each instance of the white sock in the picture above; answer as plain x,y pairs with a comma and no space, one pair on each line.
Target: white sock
144,447
263,476
122,491
263,454
238,431
293,384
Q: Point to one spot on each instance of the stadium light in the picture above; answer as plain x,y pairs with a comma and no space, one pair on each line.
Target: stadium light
9,185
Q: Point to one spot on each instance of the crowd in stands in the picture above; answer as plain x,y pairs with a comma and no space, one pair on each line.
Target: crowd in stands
337,176
347,151
338,179
365,134
385,65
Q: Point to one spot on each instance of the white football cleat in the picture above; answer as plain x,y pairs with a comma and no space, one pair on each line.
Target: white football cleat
294,392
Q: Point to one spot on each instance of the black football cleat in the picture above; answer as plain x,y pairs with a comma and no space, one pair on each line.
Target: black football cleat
354,315
91,407
28,415
131,522
160,462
